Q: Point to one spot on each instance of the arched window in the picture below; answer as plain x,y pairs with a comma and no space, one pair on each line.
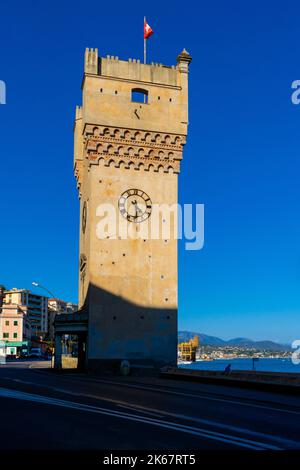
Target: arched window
139,96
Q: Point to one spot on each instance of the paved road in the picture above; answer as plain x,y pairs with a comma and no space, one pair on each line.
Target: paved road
43,410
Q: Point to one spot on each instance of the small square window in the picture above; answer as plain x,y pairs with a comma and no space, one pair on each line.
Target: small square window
5,335
139,96
16,323
15,335
6,323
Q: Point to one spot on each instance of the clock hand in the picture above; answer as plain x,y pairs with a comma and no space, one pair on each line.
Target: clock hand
137,209
135,206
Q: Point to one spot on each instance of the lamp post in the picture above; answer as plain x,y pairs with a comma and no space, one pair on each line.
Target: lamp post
57,309
37,284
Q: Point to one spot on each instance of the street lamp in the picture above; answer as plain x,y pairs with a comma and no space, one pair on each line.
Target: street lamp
36,284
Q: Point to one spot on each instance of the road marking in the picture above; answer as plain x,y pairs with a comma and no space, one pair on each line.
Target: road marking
229,439
162,413
189,395
139,409
287,443
204,397
282,441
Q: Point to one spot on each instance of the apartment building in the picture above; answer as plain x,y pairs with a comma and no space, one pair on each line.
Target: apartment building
36,307
15,329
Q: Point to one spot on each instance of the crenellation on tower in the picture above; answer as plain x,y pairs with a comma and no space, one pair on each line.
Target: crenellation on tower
91,61
134,69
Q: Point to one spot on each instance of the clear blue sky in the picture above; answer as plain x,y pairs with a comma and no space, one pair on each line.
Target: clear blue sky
241,159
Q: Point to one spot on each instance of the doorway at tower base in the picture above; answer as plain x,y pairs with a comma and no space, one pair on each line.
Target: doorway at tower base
70,340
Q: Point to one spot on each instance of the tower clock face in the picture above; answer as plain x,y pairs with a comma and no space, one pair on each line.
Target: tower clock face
84,217
135,205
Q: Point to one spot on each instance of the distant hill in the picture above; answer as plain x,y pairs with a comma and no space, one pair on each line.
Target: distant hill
246,342
204,339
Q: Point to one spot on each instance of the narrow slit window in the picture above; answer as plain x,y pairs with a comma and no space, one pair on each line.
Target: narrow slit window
139,96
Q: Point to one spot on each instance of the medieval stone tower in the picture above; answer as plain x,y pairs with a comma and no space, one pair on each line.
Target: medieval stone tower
129,137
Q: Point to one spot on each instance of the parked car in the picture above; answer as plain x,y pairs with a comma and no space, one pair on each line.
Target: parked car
23,354
35,353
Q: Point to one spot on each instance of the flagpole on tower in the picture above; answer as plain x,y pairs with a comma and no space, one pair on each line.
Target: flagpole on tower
148,31
145,47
